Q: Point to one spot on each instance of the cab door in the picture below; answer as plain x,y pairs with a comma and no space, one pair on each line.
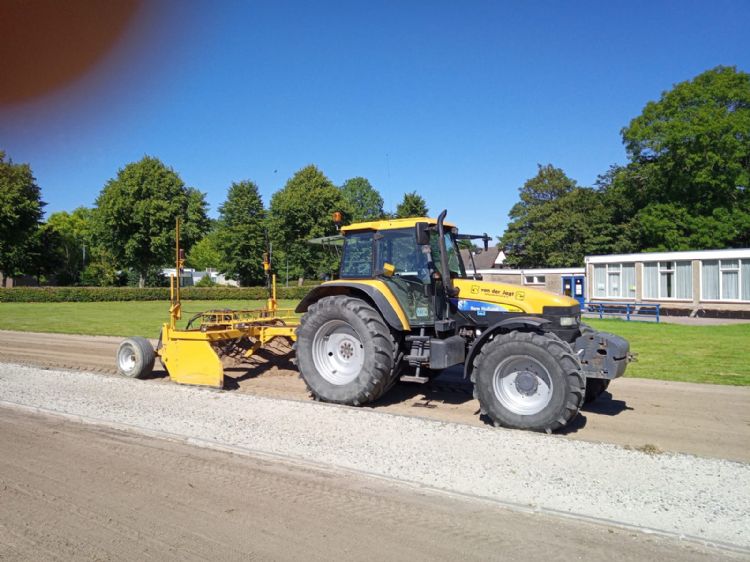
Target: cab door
410,281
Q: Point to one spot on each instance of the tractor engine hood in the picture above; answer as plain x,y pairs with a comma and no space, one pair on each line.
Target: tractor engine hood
505,297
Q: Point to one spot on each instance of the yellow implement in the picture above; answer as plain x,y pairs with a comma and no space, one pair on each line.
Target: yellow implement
190,355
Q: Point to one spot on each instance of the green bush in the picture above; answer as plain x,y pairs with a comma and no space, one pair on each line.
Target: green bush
98,294
206,281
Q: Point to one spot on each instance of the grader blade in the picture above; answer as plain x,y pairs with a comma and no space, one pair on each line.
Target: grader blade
191,361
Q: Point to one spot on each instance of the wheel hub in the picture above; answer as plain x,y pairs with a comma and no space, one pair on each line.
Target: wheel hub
346,350
338,352
522,384
527,383
126,359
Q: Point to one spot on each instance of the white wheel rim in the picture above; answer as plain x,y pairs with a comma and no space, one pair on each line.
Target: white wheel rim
338,353
522,385
126,358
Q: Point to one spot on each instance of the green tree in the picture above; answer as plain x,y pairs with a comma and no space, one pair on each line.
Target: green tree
20,215
101,269
688,183
240,236
206,253
136,212
412,205
44,258
364,201
74,243
301,211
556,223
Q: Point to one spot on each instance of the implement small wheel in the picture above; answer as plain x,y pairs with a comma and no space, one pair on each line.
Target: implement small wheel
345,351
135,358
528,381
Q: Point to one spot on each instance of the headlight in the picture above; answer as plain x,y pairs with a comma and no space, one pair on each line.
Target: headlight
568,320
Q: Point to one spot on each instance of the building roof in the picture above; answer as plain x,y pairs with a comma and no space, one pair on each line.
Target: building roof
488,259
727,254
536,271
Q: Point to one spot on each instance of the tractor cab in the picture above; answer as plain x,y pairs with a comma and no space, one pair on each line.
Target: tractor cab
388,251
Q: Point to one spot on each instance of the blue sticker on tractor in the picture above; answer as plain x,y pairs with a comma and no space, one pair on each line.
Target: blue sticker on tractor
479,306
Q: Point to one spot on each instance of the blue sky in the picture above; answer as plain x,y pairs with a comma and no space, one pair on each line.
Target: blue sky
458,101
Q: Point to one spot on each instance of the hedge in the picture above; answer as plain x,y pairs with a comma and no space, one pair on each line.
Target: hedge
99,294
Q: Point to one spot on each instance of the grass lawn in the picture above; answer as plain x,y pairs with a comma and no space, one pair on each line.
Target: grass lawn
135,318
708,354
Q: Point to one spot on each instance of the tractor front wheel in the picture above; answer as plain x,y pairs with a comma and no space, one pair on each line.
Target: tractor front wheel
594,389
528,381
345,351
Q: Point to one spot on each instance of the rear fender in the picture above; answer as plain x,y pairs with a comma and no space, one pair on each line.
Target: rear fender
523,323
374,292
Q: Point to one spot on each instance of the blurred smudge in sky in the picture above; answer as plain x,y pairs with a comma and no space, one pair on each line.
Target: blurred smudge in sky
46,45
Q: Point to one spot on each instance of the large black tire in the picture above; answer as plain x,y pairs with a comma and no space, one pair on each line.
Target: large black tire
345,351
528,381
135,358
594,389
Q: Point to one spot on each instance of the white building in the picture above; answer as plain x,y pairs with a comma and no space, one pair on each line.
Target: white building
691,281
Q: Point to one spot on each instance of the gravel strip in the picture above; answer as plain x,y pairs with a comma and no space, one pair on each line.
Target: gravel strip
707,499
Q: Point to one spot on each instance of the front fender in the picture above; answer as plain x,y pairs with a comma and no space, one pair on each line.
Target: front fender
375,292
531,323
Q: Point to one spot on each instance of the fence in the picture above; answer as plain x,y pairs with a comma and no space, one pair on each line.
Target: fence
627,309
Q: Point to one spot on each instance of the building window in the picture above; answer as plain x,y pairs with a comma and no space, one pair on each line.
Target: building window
725,280
668,280
614,280
535,279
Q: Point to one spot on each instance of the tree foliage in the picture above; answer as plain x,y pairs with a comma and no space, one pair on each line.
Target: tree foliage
74,243
688,182
686,186
136,212
206,254
694,143
364,201
556,223
20,215
412,205
240,236
301,211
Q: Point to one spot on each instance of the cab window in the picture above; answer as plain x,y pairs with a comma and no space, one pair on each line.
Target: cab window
356,263
455,265
398,248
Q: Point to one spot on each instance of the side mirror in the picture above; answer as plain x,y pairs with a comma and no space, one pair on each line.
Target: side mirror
422,233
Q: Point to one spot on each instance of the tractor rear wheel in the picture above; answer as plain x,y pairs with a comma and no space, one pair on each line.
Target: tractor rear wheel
135,358
345,351
528,381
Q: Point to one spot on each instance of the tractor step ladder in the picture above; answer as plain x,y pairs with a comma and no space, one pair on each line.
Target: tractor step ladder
419,357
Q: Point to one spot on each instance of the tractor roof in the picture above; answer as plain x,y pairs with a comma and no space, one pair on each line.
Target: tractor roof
390,224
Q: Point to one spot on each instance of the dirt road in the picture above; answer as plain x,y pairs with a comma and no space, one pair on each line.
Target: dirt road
705,420
132,497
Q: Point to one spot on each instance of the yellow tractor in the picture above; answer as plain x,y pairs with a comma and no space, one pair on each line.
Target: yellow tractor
405,307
